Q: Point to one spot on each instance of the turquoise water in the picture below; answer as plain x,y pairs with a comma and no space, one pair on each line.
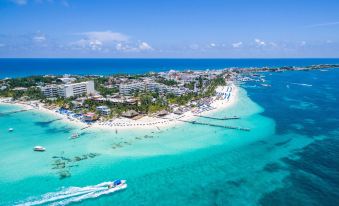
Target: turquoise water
288,157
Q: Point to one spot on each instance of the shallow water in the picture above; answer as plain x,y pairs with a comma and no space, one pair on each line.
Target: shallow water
288,157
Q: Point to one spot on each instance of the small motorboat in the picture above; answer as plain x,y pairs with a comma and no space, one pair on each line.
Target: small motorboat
119,184
39,149
265,85
75,135
10,129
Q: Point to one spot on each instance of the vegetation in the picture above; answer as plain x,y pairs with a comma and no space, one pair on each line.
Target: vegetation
29,81
210,90
168,82
190,85
148,102
32,93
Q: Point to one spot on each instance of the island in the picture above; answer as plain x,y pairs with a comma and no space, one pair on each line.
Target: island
135,101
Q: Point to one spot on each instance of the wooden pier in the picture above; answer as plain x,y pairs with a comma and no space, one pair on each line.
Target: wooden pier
216,125
212,125
217,118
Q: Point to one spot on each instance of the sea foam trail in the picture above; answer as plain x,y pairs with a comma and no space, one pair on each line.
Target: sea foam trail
66,193
90,195
301,84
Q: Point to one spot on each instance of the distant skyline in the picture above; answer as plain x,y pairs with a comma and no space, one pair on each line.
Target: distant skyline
169,29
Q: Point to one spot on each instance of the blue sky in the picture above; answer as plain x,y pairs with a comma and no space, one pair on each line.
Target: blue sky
169,28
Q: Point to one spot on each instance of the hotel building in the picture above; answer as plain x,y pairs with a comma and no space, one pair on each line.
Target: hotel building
128,89
69,90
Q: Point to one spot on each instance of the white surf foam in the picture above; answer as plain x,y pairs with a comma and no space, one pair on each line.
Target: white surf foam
89,195
301,84
70,194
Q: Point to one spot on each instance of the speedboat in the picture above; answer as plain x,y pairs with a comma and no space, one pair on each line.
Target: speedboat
77,194
265,85
39,149
10,129
117,184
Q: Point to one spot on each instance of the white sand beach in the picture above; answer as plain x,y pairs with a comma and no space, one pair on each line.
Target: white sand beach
171,119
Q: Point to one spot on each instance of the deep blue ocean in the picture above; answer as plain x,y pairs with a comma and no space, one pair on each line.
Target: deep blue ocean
28,67
304,103
290,156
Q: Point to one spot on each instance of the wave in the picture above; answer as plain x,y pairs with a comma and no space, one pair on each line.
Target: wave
73,194
301,84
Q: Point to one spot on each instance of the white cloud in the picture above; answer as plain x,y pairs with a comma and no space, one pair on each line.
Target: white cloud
20,2
95,45
125,47
237,44
213,45
144,46
39,38
105,36
122,47
259,42
323,24
25,2
97,40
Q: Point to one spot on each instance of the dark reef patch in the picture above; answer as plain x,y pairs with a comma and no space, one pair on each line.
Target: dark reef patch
282,143
313,179
272,167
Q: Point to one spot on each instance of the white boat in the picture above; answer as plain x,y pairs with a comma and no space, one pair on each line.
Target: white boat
75,135
118,184
10,129
78,194
39,149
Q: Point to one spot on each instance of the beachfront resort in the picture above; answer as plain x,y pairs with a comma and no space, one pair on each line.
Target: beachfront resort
122,101
139,100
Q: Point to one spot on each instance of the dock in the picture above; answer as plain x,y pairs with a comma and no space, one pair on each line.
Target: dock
216,125
218,118
213,125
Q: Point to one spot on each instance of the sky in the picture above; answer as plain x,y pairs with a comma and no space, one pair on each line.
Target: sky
169,28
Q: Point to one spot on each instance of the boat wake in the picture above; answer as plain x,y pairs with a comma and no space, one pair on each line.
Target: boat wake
74,194
306,85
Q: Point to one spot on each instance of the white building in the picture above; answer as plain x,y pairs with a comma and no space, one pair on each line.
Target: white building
161,88
127,89
104,110
76,89
156,87
67,80
69,90
50,91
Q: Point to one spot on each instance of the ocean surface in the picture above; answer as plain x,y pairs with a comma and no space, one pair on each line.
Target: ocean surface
28,67
290,156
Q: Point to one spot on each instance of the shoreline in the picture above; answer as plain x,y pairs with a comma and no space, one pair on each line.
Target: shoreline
144,123
170,120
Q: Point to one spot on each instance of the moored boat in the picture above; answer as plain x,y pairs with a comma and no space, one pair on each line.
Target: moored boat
39,149
75,135
10,129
